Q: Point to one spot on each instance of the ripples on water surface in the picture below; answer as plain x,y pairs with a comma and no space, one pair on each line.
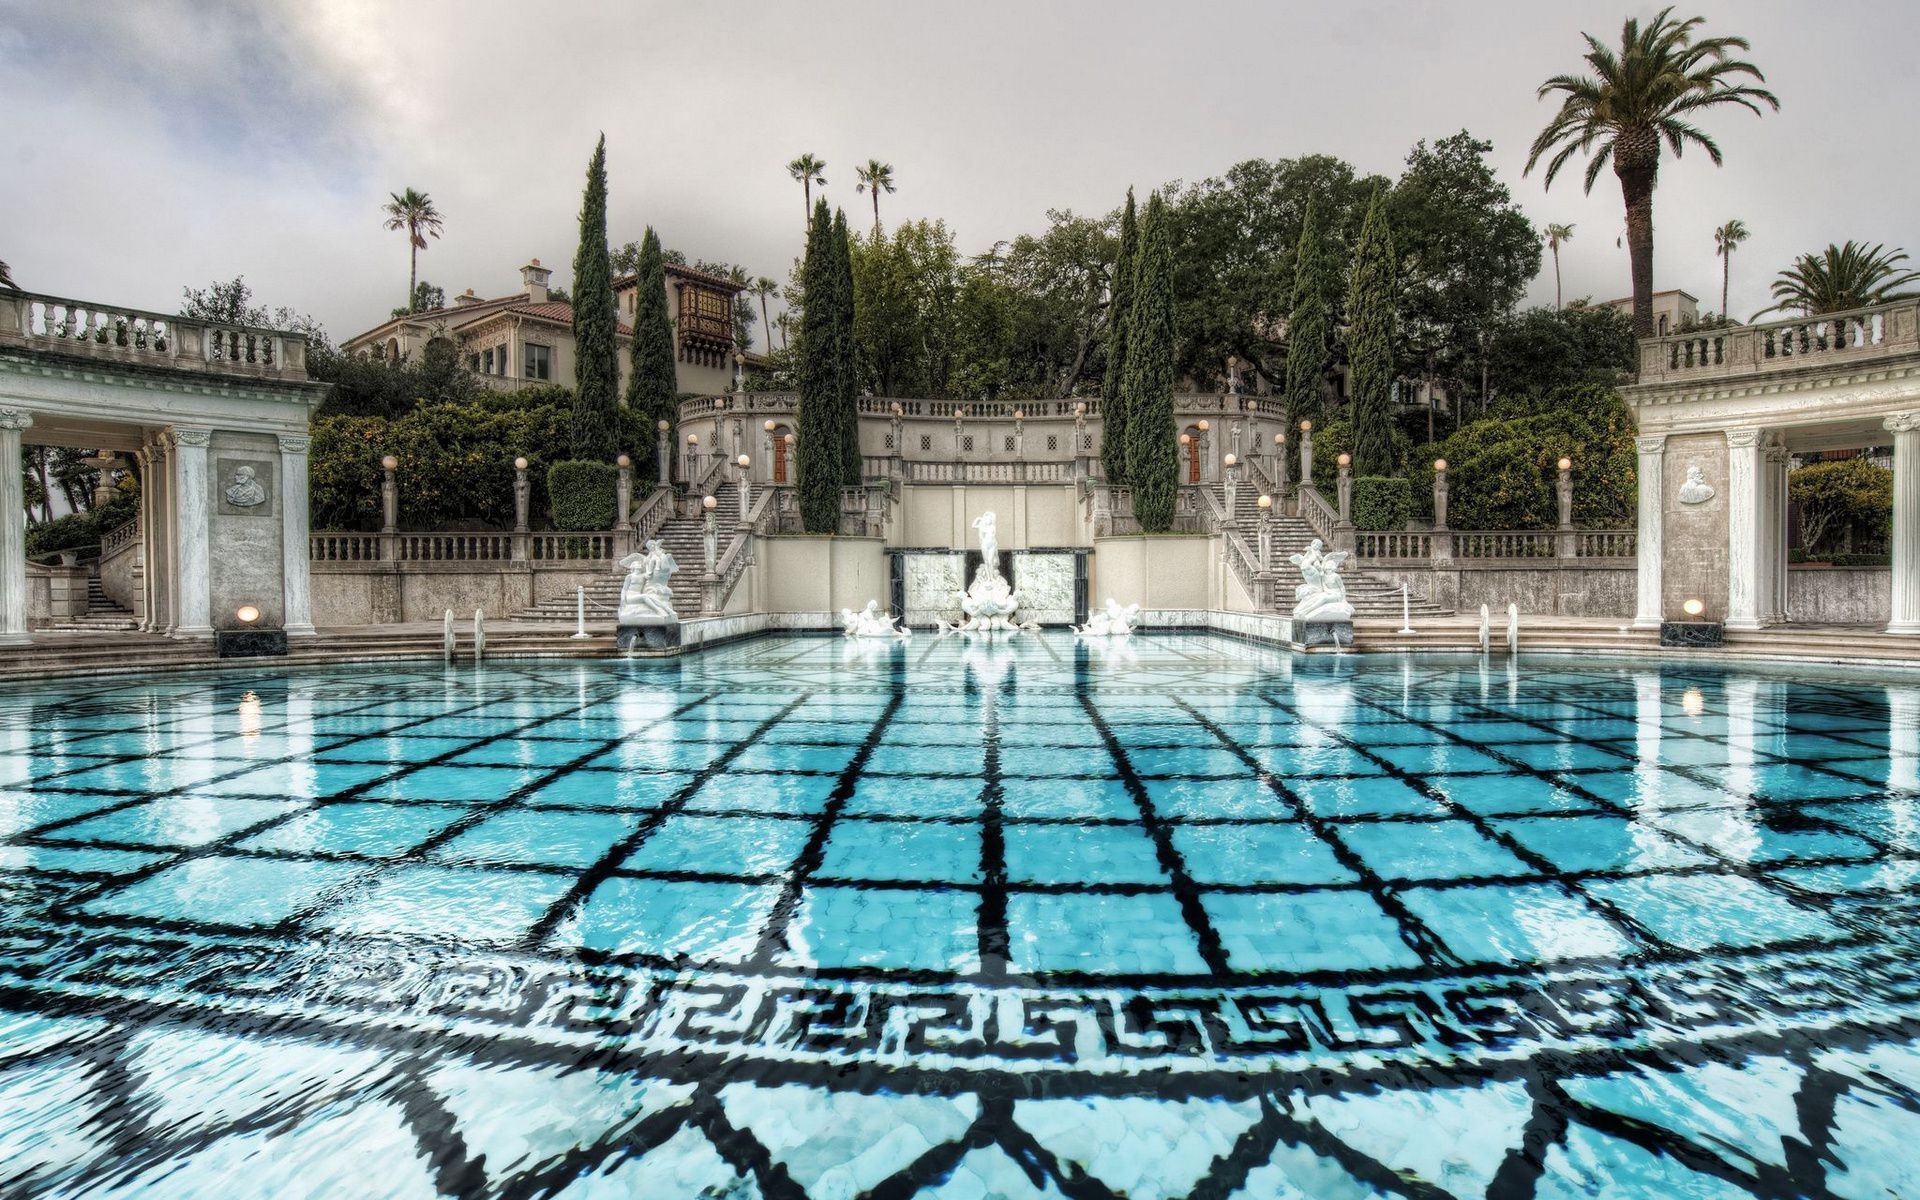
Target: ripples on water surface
801,919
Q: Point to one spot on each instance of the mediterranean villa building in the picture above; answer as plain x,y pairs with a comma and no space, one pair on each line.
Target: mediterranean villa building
526,337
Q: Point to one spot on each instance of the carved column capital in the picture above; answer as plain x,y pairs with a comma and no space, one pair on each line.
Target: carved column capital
15,419
293,445
1906,422
1652,443
1744,439
187,435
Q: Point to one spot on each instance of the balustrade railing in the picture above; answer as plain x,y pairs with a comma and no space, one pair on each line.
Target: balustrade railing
1018,471
344,547
120,538
654,511
1315,510
80,328
573,547
1409,546
1863,333
1607,543
1525,543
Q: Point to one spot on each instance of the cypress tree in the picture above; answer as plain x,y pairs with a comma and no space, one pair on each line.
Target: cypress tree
596,353
847,367
1307,323
1370,341
1113,413
1153,460
653,388
817,456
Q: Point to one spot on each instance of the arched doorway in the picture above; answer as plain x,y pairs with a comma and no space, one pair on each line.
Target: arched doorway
779,449
1190,449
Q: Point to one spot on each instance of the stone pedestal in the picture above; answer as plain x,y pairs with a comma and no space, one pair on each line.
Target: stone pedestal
251,643
661,635
1682,634
1310,634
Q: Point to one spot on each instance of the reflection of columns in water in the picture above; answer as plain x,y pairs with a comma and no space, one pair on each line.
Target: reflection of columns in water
1743,734
1646,738
1902,830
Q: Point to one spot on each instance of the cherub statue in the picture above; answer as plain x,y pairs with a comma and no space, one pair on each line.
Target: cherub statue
1115,622
1321,594
646,595
870,622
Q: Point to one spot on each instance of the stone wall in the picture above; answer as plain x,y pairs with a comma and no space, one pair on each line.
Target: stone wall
1160,572
121,577
243,539
1839,595
819,575
1573,589
378,593
942,515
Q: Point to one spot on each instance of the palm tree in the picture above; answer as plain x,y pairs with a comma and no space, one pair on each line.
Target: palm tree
763,288
1725,239
1841,278
808,170
414,212
1557,235
875,177
1638,96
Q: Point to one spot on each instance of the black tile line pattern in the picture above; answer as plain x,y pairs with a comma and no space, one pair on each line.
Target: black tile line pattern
344,893
233,838
1413,931
1760,873
994,938
1185,891
773,933
588,880
1634,931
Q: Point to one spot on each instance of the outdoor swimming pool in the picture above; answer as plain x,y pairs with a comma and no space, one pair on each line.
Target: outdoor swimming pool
803,918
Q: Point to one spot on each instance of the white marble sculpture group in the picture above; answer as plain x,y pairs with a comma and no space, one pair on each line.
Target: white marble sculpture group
989,601
1322,594
646,595
870,622
1115,622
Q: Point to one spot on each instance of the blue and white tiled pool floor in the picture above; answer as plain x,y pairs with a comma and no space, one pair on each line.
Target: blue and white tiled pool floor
800,919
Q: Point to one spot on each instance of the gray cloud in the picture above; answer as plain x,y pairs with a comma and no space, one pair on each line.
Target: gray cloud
154,146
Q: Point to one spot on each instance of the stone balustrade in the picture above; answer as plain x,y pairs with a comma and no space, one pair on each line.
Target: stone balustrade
1831,339
135,337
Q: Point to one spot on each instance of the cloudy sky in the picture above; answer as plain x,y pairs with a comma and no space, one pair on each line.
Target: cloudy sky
162,143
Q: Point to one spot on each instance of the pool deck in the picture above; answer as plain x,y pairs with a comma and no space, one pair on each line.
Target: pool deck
64,654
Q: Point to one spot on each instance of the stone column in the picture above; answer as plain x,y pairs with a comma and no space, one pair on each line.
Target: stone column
296,557
192,562
1773,606
143,458
159,481
1906,522
1745,466
13,530
1649,546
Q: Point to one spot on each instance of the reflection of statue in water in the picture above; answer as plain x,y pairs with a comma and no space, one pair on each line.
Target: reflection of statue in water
646,596
245,491
989,600
1322,594
1115,622
1695,489
870,622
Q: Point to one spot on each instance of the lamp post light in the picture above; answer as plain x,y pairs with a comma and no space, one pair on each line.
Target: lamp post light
895,432
1019,433
693,457
1280,467
1306,454
1231,462
623,491
710,532
1442,539
1266,532
1567,537
745,463
389,494
662,452
1344,487
739,371
1203,426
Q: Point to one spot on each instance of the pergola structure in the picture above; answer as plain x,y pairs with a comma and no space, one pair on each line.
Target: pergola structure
216,416
1721,413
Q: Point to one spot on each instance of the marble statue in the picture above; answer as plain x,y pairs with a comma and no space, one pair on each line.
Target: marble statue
1695,489
870,622
989,601
245,490
1322,594
646,596
1115,622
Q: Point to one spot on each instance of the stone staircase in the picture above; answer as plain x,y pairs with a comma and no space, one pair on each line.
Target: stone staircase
1371,595
102,613
683,537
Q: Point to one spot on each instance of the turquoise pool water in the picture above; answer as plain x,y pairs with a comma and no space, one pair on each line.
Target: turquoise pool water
798,918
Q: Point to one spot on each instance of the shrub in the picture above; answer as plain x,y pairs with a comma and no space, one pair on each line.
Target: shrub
1381,503
1863,560
61,533
1842,504
581,493
1335,438
1502,472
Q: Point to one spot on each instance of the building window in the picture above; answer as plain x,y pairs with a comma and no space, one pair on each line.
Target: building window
926,441
1053,441
1663,324
889,441
486,361
966,444
538,362
1009,443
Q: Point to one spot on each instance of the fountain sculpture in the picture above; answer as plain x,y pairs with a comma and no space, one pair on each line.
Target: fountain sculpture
870,622
1115,622
646,614
989,601
1322,614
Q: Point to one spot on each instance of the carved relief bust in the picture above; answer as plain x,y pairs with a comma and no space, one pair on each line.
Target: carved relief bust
245,491
1695,489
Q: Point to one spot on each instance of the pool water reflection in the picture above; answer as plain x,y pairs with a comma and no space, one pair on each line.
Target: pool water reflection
797,918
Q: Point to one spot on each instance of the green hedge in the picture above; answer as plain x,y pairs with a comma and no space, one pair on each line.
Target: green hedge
1381,503
456,463
1330,441
582,494
1502,473
1844,506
